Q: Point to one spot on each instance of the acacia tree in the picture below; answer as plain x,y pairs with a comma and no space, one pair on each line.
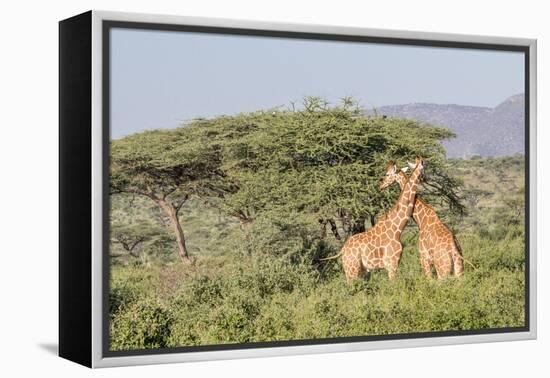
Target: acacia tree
132,236
168,167
128,239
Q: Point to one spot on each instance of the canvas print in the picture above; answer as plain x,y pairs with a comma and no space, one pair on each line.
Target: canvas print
270,190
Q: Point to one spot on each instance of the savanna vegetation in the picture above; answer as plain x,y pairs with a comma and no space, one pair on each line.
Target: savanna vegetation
217,228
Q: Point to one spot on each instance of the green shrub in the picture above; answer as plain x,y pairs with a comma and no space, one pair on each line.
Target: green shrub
129,284
143,325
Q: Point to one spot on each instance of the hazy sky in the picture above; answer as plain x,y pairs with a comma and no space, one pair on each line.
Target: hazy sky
161,79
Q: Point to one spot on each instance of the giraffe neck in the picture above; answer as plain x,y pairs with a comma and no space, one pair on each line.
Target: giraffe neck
405,204
422,213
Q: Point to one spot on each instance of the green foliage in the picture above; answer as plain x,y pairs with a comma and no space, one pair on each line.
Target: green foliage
129,285
164,163
145,324
322,161
267,298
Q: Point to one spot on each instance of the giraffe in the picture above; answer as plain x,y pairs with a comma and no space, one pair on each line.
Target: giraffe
437,244
380,246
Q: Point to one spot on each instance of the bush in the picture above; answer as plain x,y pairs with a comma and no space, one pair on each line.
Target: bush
129,284
143,325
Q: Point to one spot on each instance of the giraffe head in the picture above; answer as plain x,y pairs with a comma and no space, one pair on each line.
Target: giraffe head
419,165
392,175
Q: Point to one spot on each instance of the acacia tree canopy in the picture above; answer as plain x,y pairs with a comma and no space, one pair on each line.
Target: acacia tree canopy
325,161
321,162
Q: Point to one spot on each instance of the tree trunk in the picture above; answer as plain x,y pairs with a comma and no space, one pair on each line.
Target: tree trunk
372,220
334,229
358,226
172,213
323,223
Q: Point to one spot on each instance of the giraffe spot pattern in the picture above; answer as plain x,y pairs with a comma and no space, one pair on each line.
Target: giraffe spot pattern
380,247
437,245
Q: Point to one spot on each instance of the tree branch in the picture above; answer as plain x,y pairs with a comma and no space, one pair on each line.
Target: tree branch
179,205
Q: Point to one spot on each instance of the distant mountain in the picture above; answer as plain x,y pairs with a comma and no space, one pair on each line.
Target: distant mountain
488,132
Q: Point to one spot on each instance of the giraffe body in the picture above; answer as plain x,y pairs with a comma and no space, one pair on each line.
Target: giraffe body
380,246
377,248
437,245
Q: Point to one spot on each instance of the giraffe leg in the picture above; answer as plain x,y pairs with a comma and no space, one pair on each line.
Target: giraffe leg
426,263
392,272
425,257
442,262
365,264
391,259
458,262
352,274
352,265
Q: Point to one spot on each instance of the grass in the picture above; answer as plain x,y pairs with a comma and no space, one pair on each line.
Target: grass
242,290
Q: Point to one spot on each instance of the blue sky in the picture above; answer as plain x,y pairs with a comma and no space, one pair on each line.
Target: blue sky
162,79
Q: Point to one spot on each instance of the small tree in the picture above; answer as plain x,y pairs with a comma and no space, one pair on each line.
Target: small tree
168,167
131,237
